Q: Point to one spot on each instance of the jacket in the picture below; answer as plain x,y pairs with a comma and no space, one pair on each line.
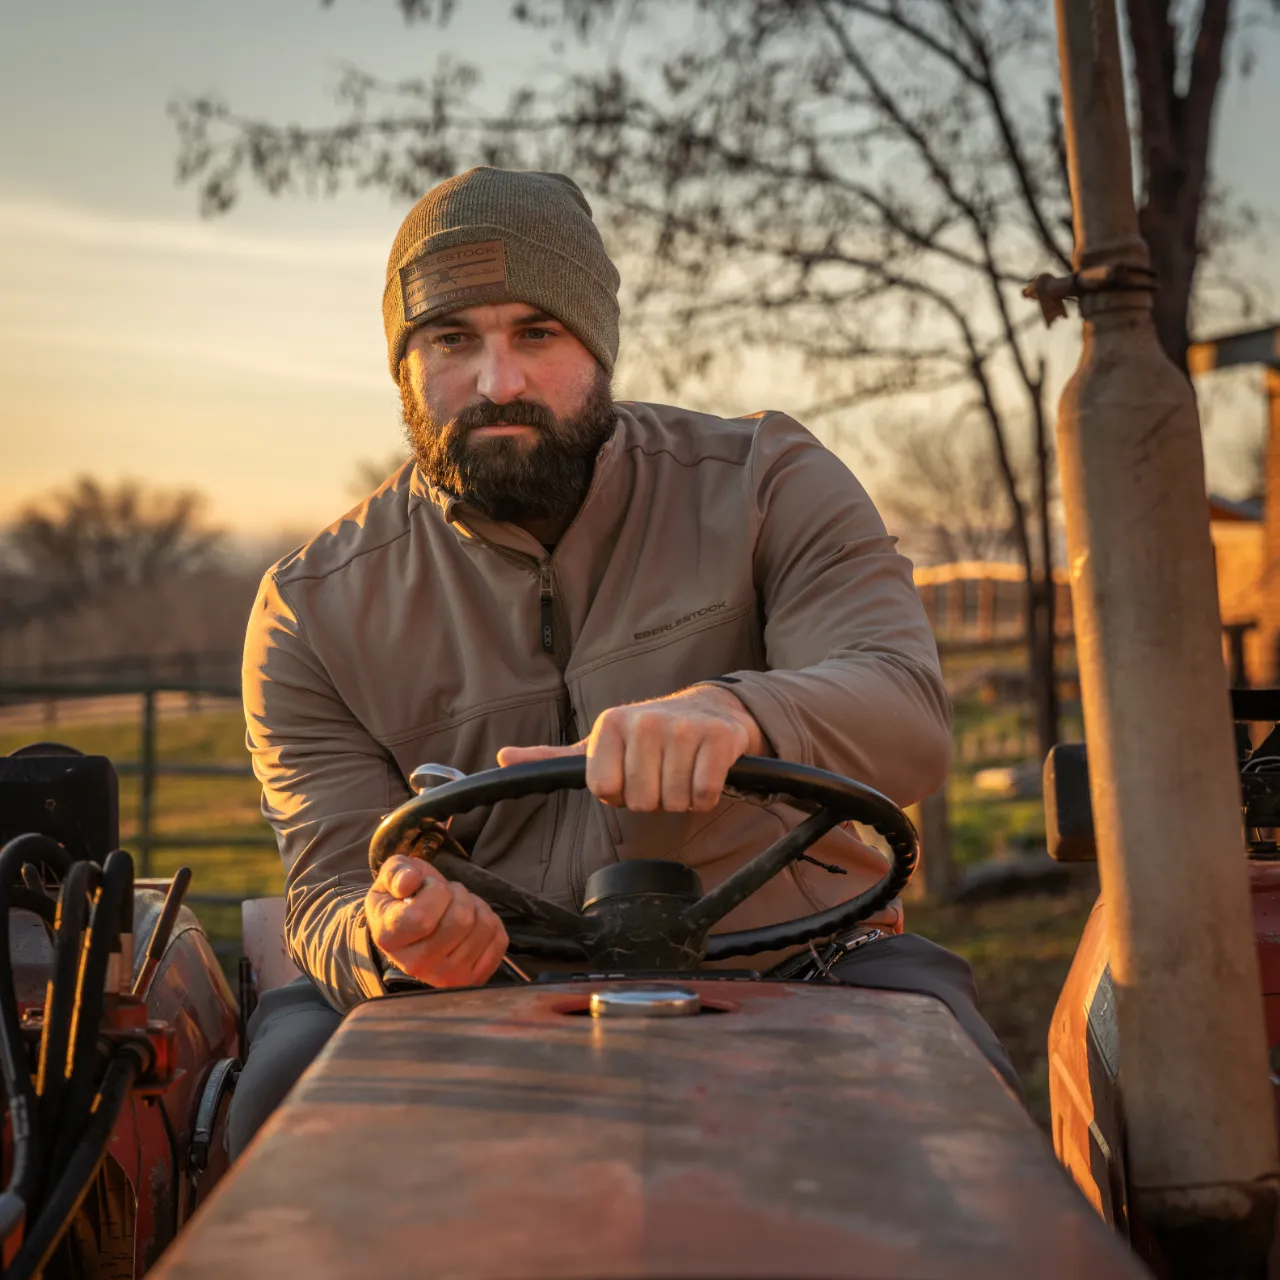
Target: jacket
414,629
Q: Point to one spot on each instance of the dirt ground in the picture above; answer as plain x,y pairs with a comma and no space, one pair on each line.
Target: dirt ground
1020,950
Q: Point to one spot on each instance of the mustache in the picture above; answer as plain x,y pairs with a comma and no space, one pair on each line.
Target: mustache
515,413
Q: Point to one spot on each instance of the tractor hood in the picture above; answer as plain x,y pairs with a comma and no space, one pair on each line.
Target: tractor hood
788,1130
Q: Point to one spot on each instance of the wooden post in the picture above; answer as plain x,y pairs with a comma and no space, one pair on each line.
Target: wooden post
937,869
146,781
1166,796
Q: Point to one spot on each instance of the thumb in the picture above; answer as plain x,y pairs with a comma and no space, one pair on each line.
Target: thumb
401,876
526,755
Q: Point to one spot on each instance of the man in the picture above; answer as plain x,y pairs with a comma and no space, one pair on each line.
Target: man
555,573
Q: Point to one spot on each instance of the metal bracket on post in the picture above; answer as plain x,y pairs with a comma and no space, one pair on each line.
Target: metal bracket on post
1052,292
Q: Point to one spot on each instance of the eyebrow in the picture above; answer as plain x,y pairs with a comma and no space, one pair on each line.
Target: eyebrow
459,321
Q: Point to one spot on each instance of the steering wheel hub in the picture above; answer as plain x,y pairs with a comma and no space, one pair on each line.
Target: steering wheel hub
633,877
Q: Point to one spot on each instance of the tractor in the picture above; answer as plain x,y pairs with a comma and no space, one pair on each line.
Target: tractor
628,1113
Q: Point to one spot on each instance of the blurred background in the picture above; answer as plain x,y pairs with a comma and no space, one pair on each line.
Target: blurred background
826,207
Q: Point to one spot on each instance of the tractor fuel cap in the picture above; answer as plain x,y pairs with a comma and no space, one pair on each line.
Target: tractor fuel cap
644,1002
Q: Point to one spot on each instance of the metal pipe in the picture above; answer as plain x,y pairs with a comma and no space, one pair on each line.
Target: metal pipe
1166,798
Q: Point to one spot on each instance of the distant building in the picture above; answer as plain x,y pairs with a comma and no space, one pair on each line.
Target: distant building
977,603
1246,535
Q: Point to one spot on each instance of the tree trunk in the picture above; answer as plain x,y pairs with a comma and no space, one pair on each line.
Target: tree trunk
1175,131
1174,262
937,872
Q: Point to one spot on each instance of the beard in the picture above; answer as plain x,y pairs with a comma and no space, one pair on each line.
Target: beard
509,478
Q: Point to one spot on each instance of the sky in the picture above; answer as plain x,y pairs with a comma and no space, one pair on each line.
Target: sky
244,356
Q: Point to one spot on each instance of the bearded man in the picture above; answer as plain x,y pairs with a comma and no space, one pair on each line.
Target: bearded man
552,573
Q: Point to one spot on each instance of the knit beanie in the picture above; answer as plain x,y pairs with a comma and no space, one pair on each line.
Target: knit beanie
501,235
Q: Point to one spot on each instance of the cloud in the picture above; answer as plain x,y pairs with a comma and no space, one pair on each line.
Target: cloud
68,225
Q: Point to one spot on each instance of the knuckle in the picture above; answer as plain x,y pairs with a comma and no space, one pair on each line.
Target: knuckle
609,720
650,722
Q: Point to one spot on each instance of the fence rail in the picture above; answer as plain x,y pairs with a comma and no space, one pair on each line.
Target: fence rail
187,666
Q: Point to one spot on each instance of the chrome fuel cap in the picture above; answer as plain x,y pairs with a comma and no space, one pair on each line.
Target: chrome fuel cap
644,1002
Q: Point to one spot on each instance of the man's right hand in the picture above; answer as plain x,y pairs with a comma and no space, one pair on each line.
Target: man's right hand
432,928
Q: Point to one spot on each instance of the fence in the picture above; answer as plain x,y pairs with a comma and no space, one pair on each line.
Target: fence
149,769
214,668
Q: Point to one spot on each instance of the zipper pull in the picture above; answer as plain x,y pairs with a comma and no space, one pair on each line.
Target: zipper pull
544,596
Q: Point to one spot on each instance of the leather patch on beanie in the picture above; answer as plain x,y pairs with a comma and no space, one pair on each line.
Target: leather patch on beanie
463,274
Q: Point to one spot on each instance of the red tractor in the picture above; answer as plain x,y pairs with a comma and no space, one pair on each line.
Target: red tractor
645,1118
637,1118
1084,1046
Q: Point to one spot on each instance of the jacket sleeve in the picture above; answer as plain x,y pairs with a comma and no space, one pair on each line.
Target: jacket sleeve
325,785
853,682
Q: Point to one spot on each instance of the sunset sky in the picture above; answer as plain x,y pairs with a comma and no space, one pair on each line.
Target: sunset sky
245,356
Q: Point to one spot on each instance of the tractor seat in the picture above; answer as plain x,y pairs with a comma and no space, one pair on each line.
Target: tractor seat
262,937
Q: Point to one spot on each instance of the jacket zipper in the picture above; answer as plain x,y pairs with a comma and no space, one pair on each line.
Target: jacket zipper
542,570
547,601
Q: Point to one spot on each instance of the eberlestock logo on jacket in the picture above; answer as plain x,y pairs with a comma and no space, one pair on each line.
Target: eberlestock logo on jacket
680,622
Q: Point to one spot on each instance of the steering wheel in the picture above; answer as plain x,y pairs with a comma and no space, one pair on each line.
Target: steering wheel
651,914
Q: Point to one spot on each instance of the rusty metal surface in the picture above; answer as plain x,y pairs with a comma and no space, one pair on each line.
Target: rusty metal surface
1264,890
1087,1110
805,1131
1083,1096
189,992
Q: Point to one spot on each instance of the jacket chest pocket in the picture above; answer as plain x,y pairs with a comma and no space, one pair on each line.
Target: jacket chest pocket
664,663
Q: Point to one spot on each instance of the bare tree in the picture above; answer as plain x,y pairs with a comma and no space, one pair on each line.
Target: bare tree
1178,65
92,537
859,185
940,490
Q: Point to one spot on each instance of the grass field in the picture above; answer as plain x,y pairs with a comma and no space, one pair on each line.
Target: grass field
1020,949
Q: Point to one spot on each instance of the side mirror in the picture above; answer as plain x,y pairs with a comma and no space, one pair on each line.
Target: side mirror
1068,809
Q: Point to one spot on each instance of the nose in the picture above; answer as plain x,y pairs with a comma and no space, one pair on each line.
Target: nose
500,378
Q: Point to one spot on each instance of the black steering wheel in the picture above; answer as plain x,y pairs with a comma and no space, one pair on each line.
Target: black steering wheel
651,914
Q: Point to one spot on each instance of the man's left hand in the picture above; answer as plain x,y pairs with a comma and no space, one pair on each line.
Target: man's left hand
670,753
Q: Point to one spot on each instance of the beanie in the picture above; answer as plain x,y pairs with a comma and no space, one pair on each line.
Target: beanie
500,235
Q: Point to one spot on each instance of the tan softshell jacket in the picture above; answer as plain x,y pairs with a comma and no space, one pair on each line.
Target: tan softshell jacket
416,630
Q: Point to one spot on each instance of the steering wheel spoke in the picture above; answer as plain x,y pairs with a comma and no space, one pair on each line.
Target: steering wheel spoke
498,892
738,887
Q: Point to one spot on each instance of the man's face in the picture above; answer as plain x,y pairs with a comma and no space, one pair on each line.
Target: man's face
506,408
